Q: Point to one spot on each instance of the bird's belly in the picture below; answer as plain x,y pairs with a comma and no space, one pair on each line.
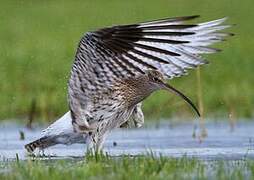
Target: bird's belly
112,115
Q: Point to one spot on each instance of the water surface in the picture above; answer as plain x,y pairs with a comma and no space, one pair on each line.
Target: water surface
173,140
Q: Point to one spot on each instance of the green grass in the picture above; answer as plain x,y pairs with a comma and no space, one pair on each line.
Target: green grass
39,38
126,167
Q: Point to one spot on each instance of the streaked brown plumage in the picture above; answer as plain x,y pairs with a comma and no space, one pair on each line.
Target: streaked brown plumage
116,68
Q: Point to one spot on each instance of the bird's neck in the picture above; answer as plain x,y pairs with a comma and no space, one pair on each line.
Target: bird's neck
136,89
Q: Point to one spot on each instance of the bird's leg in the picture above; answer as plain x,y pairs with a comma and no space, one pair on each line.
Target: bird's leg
100,142
95,143
96,139
91,141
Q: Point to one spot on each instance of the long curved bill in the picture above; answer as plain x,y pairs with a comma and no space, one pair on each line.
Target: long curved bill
172,89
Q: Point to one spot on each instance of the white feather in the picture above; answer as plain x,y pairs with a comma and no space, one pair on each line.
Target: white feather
62,126
62,131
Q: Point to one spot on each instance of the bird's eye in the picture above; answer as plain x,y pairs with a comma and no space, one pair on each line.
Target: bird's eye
156,79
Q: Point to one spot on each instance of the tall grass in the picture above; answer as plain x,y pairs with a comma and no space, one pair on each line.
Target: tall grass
203,132
38,42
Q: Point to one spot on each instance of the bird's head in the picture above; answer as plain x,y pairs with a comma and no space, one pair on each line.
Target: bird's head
157,80
155,77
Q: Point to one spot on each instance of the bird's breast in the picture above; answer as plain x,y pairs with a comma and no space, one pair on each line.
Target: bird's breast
111,109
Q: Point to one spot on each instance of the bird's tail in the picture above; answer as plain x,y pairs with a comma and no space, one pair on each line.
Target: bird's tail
41,143
60,132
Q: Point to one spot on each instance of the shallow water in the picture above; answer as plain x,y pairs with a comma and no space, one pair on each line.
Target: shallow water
174,140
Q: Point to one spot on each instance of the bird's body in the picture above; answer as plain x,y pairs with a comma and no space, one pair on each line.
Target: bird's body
116,68
106,111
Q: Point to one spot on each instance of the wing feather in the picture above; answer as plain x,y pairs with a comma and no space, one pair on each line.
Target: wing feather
169,45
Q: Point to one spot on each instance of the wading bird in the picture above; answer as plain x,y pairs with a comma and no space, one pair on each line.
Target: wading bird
116,68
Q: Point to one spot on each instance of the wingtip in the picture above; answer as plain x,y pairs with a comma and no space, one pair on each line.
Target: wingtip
224,18
205,62
230,34
188,17
195,16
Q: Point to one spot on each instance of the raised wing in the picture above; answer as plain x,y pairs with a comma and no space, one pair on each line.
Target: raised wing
107,55
169,45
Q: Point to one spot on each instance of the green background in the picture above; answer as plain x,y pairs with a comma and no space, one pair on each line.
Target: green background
38,40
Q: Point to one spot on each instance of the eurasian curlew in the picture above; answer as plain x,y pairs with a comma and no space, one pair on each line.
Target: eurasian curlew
116,68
